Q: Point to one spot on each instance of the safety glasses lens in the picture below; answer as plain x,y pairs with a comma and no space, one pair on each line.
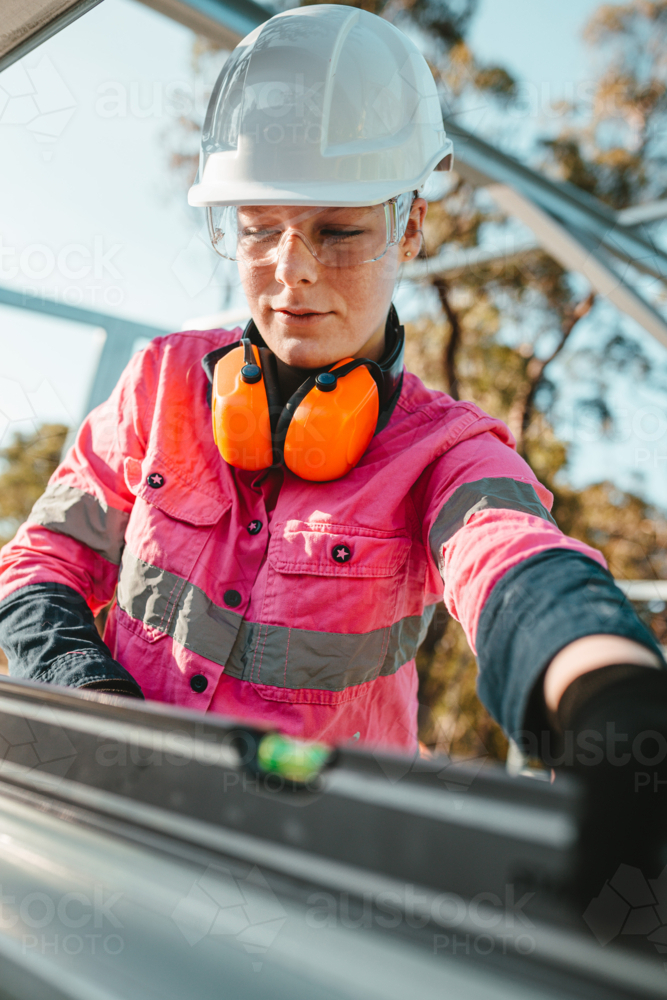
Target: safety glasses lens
337,237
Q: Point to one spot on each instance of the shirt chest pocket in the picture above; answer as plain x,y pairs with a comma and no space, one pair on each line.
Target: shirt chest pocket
335,577
328,619
170,524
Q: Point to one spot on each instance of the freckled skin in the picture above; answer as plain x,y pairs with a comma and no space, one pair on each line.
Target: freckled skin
352,302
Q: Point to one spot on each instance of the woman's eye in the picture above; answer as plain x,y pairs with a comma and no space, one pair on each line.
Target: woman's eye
259,235
341,234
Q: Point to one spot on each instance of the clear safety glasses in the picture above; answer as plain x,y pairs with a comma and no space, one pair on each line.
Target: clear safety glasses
336,237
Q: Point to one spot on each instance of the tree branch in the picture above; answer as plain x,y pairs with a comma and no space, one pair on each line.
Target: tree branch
523,407
454,342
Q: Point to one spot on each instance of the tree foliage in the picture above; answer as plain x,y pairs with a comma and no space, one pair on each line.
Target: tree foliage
26,465
444,22
504,324
617,149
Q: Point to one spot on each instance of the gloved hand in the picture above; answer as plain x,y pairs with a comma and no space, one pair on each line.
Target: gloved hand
613,730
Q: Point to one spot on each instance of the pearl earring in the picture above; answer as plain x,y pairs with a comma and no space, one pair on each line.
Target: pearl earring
408,253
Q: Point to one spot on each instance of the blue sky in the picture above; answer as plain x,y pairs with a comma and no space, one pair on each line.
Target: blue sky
91,214
537,40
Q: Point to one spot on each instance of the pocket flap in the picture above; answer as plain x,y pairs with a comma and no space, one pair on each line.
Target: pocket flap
303,547
170,493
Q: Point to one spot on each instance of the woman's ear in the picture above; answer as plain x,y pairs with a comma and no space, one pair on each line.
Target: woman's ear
412,240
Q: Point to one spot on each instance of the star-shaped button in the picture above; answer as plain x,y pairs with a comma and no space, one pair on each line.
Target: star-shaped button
155,480
341,553
254,527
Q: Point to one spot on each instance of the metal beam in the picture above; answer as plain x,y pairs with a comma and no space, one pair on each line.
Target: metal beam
225,23
27,25
644,590
575,251
121,335
451,262
483,165
639,215
200,864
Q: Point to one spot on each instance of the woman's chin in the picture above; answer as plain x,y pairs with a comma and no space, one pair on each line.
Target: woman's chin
304,351
306,359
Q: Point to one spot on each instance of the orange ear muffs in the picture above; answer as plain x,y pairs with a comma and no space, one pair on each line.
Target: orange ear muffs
329,422
239,404
321,432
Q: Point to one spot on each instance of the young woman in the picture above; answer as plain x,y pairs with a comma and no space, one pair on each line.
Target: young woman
277,511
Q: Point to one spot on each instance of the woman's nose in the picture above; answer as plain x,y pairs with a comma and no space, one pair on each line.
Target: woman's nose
295,263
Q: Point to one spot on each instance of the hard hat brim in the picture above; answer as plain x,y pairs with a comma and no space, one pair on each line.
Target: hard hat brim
335,195
220,191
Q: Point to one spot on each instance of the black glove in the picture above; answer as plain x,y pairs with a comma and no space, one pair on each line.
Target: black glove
613,734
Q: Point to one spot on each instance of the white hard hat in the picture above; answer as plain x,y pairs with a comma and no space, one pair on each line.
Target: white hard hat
321,105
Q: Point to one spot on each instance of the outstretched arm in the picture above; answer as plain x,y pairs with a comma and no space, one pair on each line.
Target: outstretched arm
537,607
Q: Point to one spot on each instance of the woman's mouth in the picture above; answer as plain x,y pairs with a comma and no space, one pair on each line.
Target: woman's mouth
299,315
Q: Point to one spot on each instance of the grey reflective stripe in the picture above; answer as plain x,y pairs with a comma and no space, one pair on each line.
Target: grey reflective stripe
501,494
324,661
171,605
72,512
266,654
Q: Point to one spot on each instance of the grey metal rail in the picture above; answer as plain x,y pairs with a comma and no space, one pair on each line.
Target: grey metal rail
143,854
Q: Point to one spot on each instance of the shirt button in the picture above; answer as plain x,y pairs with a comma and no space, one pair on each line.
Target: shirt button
232,598
155,480
255,527
341,553
198,683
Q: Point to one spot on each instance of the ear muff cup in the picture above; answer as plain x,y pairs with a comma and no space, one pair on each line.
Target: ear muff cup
241,421
330,430
321,432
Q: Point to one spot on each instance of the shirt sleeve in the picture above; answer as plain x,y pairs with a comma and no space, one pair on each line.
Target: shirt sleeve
521,589
74,535
62,566
49,635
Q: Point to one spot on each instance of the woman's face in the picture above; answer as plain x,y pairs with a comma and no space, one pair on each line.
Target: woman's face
311,314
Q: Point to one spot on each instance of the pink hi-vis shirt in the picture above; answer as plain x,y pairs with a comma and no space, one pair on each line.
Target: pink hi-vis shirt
263,596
